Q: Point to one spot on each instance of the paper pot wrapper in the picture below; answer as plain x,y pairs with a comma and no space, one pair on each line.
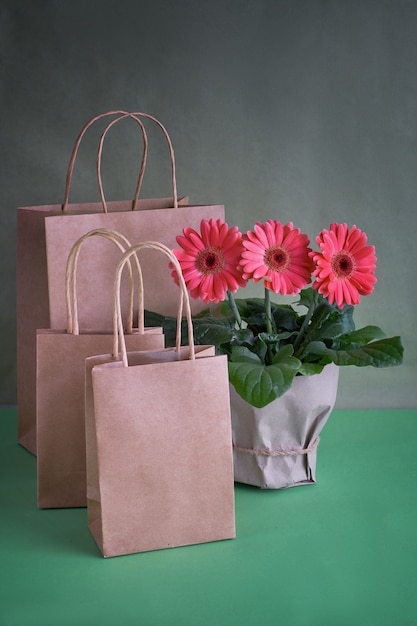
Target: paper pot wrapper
275,447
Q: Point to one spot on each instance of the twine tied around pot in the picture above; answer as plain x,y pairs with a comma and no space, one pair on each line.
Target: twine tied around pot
265,452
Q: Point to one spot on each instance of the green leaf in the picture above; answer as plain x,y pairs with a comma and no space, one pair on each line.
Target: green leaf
328,328
306,297
362,336
285,356
244,336
212,331
252,311
324,308
153,319
382,353
242,354
260,384
248,307
346,317
269,338
169,325
321,313
285,318
309,369
328,323
260,348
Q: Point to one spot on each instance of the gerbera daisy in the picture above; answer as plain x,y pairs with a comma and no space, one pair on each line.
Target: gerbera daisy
345,265
210,260
278,255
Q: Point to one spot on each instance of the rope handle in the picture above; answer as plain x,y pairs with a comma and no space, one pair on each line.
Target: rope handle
142,167
184,300
122,114
136,116
74,153
71,273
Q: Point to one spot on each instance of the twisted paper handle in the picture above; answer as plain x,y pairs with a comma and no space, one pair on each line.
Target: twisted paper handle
135,116
77,145
71,273
184,300
142,167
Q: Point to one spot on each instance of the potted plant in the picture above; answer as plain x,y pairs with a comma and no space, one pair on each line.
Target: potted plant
283,359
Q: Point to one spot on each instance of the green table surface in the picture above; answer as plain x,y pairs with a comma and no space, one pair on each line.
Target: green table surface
342,552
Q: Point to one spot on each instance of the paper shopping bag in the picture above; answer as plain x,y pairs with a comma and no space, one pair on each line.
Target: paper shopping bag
45,235
60,414
159,449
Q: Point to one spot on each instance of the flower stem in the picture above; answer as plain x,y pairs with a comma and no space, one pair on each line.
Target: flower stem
268,313
306,322
234,308
270,325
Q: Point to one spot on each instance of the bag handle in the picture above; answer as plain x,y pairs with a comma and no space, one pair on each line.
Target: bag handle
74,153
70,280
184,300
136,116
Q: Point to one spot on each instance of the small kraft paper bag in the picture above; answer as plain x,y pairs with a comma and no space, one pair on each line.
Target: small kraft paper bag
60,414
45,235
159,447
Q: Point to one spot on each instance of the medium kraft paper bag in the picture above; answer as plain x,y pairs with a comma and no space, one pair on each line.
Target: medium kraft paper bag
45,235
60,385
159,448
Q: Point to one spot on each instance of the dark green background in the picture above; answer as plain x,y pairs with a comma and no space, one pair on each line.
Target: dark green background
342,552
301,110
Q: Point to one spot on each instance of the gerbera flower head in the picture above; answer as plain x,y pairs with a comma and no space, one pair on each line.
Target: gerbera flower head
345,265
279,255
210,260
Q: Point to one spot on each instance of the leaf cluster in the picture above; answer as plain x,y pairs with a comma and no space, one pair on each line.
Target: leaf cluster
262,365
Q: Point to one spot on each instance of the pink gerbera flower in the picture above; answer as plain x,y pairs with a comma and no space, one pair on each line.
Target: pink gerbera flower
278,255
210,260
345,265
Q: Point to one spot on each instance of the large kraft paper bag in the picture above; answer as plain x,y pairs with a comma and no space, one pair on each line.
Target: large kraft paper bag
275,447
159,455
60,414
45,235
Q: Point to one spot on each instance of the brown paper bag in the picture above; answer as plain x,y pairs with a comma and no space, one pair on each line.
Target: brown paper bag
45,235
61,458
159,450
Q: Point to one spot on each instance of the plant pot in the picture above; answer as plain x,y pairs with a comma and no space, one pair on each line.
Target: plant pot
276,447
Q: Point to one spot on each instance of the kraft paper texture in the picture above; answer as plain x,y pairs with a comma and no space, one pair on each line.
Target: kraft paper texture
159,451
60,411
45,236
